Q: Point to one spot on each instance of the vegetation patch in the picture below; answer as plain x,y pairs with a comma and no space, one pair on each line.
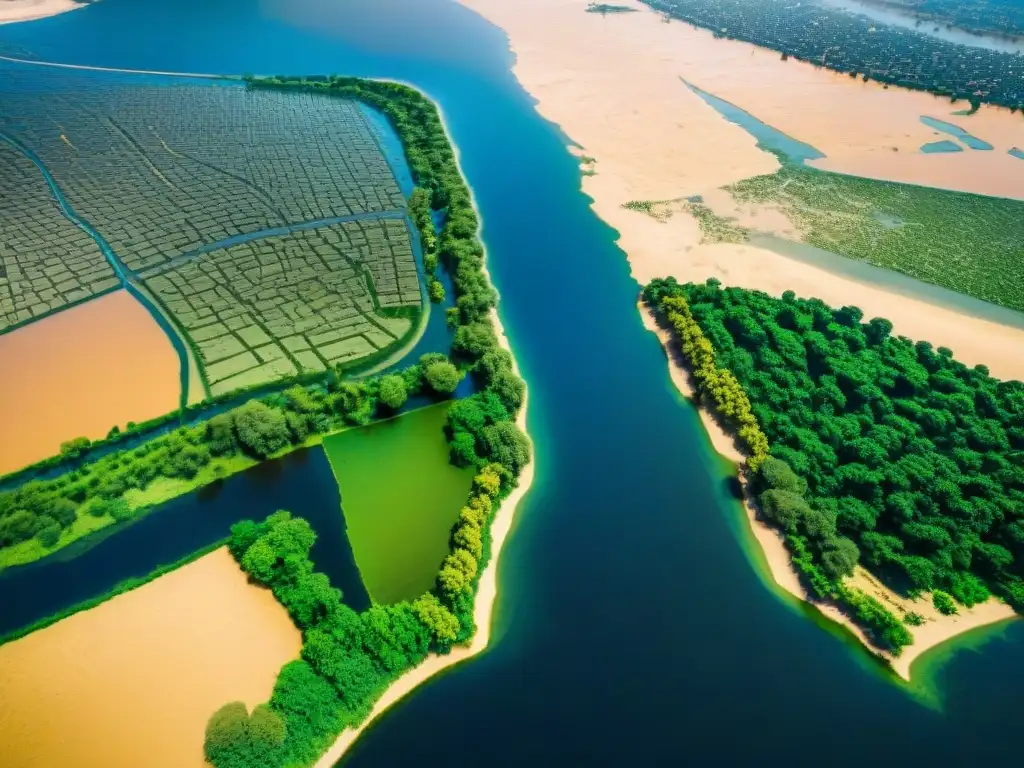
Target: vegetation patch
967,243
882,451
400,497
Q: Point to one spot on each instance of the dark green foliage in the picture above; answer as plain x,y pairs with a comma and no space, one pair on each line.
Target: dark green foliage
886,630
49,534
261,430
506,444
913,619
236,740
442,377
917,459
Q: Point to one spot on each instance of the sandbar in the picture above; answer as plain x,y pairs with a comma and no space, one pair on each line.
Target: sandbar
27,10
133,681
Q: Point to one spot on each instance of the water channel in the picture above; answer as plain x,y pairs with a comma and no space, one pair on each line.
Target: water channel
632,627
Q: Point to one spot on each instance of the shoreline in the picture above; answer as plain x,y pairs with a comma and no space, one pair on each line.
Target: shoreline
483,604
13,11
936,632
487,588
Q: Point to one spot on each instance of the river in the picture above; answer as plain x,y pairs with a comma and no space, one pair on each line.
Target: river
632,627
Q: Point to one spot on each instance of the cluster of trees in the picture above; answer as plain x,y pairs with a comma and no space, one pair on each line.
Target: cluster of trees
348,659
728,397
858,46
891,445
259,428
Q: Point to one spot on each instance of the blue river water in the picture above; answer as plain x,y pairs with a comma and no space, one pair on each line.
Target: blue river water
633,626
955,130
945,145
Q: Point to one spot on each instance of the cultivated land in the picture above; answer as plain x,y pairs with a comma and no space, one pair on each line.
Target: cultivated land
268,227
46,262
132,682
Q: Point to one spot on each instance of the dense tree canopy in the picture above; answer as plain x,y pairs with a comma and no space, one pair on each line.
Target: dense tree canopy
883,447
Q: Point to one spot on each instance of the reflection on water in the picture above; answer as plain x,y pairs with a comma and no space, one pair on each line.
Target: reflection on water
929,28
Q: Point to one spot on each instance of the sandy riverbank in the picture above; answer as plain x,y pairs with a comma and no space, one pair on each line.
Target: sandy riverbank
936,630
26,10
133,681
487,590
612,85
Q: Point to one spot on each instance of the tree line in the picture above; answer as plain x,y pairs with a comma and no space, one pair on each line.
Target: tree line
882,450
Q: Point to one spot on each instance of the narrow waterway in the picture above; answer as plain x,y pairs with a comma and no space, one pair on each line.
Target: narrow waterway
632,628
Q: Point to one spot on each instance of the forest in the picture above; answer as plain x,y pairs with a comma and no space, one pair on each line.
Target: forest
857,46
881,450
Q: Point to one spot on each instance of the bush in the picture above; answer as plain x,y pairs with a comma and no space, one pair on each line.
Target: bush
236,740
49,535
392,392
261,430
943,603
442,377
913,619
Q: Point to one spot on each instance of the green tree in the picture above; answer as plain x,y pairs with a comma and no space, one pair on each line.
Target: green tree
261,430
392,391
439,620
442,377
506,444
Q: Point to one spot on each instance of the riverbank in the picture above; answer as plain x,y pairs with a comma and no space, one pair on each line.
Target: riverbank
27,10
657,140
483,608
936,629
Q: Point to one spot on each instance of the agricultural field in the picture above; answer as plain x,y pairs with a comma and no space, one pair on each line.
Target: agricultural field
302,301
401,497
268,226
46,262
860,47
967,243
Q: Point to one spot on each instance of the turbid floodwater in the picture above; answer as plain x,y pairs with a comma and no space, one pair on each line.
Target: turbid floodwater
80,372
133,681
631,627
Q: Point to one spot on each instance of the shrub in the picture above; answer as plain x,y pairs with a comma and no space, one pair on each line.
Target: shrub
442,377
943,603
49,535
392,392
236,740
261,430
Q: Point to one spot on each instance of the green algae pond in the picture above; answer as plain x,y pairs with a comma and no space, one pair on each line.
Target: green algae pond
400,497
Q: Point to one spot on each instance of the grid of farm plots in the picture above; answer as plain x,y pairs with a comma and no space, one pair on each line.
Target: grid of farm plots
160,170
302,301
46,262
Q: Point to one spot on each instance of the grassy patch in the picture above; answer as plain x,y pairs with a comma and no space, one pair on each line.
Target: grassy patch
967,243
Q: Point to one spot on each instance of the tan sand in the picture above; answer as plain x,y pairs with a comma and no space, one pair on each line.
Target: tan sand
937,628
78,373
487,591
133,681
26,10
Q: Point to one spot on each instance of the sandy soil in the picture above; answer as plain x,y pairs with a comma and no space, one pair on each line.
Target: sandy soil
26,10
133,681
78,373
656,140
937,628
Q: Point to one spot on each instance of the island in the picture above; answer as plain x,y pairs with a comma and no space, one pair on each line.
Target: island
368,599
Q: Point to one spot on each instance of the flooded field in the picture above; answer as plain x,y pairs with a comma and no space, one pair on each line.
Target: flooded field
161,660
78,373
